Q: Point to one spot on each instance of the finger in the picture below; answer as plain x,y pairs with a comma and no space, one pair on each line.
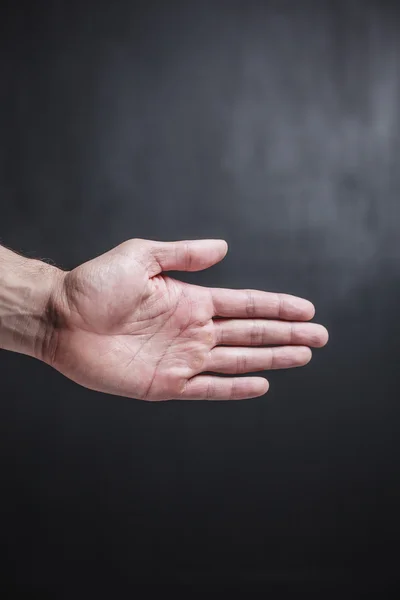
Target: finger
210,387
257,304
223,359
263,332
188,255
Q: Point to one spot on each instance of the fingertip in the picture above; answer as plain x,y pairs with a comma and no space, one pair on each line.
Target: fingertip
210,252
324,338
319,336
266,386
310,355
224,246
305,356
309,310
295,308
261,386
220,250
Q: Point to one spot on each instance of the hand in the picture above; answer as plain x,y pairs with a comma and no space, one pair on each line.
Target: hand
126,328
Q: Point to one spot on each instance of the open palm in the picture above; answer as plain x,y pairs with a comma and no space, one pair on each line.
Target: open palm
129,329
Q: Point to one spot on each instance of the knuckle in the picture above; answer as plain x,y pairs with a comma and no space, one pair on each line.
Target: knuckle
291,333
210,389
256,334
187,256
234,389
250,304
272,358
281,302
241,362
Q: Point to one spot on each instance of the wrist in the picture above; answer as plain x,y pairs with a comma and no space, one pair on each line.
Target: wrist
29,290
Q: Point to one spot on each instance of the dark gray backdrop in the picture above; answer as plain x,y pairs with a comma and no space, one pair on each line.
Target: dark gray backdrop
275,126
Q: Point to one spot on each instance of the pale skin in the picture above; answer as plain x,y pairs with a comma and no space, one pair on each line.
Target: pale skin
120,324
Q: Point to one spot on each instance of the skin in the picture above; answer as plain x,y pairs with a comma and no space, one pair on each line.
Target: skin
120,325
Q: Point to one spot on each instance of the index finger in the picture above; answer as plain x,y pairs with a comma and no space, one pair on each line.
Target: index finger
250,304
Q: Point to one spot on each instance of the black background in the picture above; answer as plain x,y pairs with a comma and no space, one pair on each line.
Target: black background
275,126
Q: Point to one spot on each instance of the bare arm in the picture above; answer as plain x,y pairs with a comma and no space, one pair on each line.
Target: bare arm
27,312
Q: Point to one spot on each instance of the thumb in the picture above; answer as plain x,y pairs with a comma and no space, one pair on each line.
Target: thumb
188,255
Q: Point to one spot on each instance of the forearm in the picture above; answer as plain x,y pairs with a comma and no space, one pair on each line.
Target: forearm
27,289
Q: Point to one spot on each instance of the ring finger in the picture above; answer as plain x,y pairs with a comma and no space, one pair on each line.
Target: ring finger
238,360
264,332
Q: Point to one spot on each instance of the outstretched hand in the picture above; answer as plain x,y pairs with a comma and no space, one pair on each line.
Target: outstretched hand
125,327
